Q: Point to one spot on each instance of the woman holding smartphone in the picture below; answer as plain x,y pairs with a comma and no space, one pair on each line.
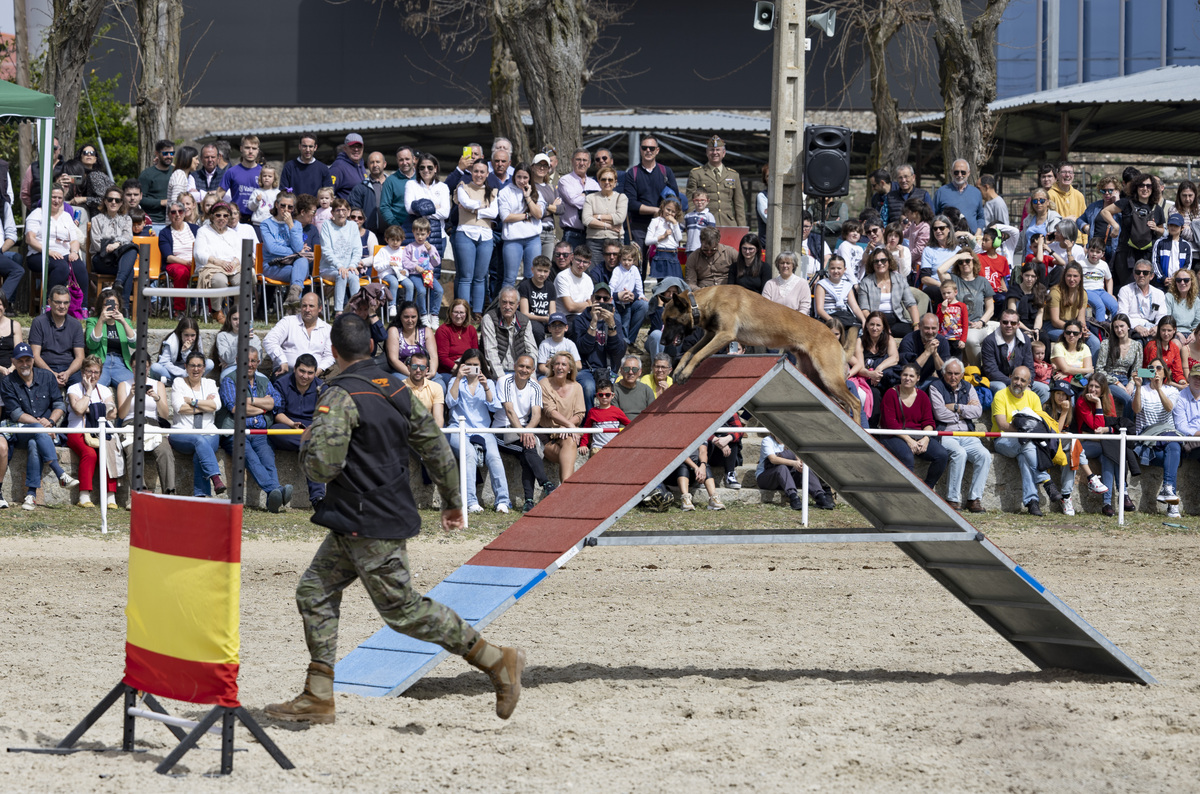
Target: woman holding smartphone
109,337
472,396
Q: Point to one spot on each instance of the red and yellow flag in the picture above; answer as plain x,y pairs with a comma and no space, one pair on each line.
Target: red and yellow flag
181,637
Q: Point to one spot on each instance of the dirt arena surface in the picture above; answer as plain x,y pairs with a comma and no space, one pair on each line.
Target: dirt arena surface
827,668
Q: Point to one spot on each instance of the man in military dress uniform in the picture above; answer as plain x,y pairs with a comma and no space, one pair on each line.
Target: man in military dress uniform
358,443
722,184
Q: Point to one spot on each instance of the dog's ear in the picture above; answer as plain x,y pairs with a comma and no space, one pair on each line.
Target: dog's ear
682,302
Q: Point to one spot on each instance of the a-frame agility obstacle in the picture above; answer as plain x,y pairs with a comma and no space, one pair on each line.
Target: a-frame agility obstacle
898,506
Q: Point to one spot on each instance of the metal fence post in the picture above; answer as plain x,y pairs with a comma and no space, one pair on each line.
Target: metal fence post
102,454
1121,481
462,467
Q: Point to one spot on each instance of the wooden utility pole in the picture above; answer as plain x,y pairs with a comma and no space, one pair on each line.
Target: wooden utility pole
785,201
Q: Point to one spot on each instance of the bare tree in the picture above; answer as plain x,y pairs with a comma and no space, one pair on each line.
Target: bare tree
159,93
68,43
506,99
967,68
21,43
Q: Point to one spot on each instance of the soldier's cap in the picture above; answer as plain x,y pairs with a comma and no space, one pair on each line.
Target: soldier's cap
665,284
558,317
715,142
1194,372
548,149
22,350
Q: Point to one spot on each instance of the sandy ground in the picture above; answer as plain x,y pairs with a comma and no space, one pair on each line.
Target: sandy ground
839,668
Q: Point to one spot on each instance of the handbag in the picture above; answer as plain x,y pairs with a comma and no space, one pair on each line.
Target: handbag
76,309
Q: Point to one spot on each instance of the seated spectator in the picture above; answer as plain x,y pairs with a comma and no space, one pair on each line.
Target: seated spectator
176,348
1096,413
10,337
260,405
1120,356
1142,302
407,335
1153,406
194,404
604,213
507,334
665,290
906,407
56,339
453,339
779,470
606,417
1070,357
884,290
659,379
694,469
629,393
1027,297
33,398
725,452
926,348
574,286
1017,396
65,258
218,253
156,406
626,283
296,334
112,250
956,406
521,398
562,406
1186,414
285,256
601,343
788,289
109,337
472,396
964,270
1164,346
1005,350
297,392
175,245
224,352
1182,305
709,264
538,298
748,269
90,402
879,355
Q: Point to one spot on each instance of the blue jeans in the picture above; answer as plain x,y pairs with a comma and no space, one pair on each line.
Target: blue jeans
341,286
316,490
294,274
516,253
123,273
588,382
203,450
1026,457
576,237
58,269
935,453
631,316
495,466
114,371
12,272
1167,455
653,343
472,259
260,460
41,451
1103,304
963,449
1108,470
1124,403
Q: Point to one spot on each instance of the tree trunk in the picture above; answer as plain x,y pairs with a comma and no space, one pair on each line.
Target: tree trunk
967,71
159,91
25,131
550,42
892,135
68,43
506,95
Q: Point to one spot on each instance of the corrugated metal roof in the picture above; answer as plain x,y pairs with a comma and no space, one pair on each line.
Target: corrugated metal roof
614,120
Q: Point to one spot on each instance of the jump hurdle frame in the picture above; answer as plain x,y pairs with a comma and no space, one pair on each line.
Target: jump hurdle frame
228,716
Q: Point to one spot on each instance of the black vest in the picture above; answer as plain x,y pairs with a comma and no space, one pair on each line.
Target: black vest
372,498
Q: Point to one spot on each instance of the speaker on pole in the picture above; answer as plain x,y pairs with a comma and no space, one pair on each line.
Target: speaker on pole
826,161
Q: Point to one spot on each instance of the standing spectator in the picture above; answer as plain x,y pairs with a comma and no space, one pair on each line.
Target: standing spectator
779,470
473,240
547,188
391,199
1098,228
297,334
56,339
182,180
1141,224
208,176
629,393
263,199
722,185
347,171
194,404
538,298
366,195
261,399
295,408
427,197
788,289
698,217
305,174
645,184
1017,396
1005,350
507,334
154,181
904,190
881,186
710,264
962,195
63,249
1171,252
1066,199
500,166
628,290
604,214
605,157
32,398
519,209
927,349
995,209
241,179
572,190
521,398
1143,303
1153,406
460,173
906,407
665,234
1045,181
919,220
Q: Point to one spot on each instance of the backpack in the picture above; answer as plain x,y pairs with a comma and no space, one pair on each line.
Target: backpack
1141,236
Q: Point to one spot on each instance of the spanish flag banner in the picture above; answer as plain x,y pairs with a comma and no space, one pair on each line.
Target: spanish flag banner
181,637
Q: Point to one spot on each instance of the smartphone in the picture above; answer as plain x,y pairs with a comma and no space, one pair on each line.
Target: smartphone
1145,374
467,152
110,305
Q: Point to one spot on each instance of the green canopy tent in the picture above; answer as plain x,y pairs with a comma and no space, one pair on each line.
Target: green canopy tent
19,104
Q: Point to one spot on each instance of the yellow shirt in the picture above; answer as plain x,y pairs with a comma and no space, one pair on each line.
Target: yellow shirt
653,384
1006,405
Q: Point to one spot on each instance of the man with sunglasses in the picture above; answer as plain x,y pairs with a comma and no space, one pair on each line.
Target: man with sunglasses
154,181
629,393
1005,350
1144,303
604,157
645,184
962,195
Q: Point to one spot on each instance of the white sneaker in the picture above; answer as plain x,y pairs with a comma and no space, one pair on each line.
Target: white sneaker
715,504
1095,485
501,508
685,502
1067,505
475,509
67,481
28,503
3,504
1168,495
1172,511
731,481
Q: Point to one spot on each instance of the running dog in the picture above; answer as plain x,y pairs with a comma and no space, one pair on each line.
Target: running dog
730,313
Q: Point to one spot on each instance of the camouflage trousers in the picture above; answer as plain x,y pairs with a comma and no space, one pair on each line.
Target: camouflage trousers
382,565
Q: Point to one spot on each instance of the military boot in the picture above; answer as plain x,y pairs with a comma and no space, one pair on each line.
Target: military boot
315,704
503,666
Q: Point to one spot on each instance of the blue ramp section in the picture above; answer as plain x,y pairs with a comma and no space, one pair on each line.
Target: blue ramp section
389,662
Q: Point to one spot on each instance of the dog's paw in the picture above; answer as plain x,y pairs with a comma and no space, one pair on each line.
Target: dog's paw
680,378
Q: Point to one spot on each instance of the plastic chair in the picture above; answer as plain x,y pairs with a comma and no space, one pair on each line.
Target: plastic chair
155,272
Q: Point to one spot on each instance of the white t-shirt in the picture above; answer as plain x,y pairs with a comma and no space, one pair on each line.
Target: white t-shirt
98,394
577,289
1095,275
523,401
853,254
548,348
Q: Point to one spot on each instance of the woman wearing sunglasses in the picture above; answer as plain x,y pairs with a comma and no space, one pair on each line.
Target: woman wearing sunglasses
1142,222
95,181
1042,219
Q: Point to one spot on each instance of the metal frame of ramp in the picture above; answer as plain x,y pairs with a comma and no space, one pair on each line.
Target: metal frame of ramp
898,506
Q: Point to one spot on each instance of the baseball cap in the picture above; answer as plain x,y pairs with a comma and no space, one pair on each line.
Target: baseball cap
665,284
1062,386
1175,220
22,350
541,158
602,285
353,137
558,317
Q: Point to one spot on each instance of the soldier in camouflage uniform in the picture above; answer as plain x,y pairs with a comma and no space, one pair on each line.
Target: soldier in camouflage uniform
358,443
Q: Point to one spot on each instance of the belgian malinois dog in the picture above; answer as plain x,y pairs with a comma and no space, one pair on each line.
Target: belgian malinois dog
728,313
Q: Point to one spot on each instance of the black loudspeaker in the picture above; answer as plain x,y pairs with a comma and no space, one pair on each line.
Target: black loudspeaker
826,161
